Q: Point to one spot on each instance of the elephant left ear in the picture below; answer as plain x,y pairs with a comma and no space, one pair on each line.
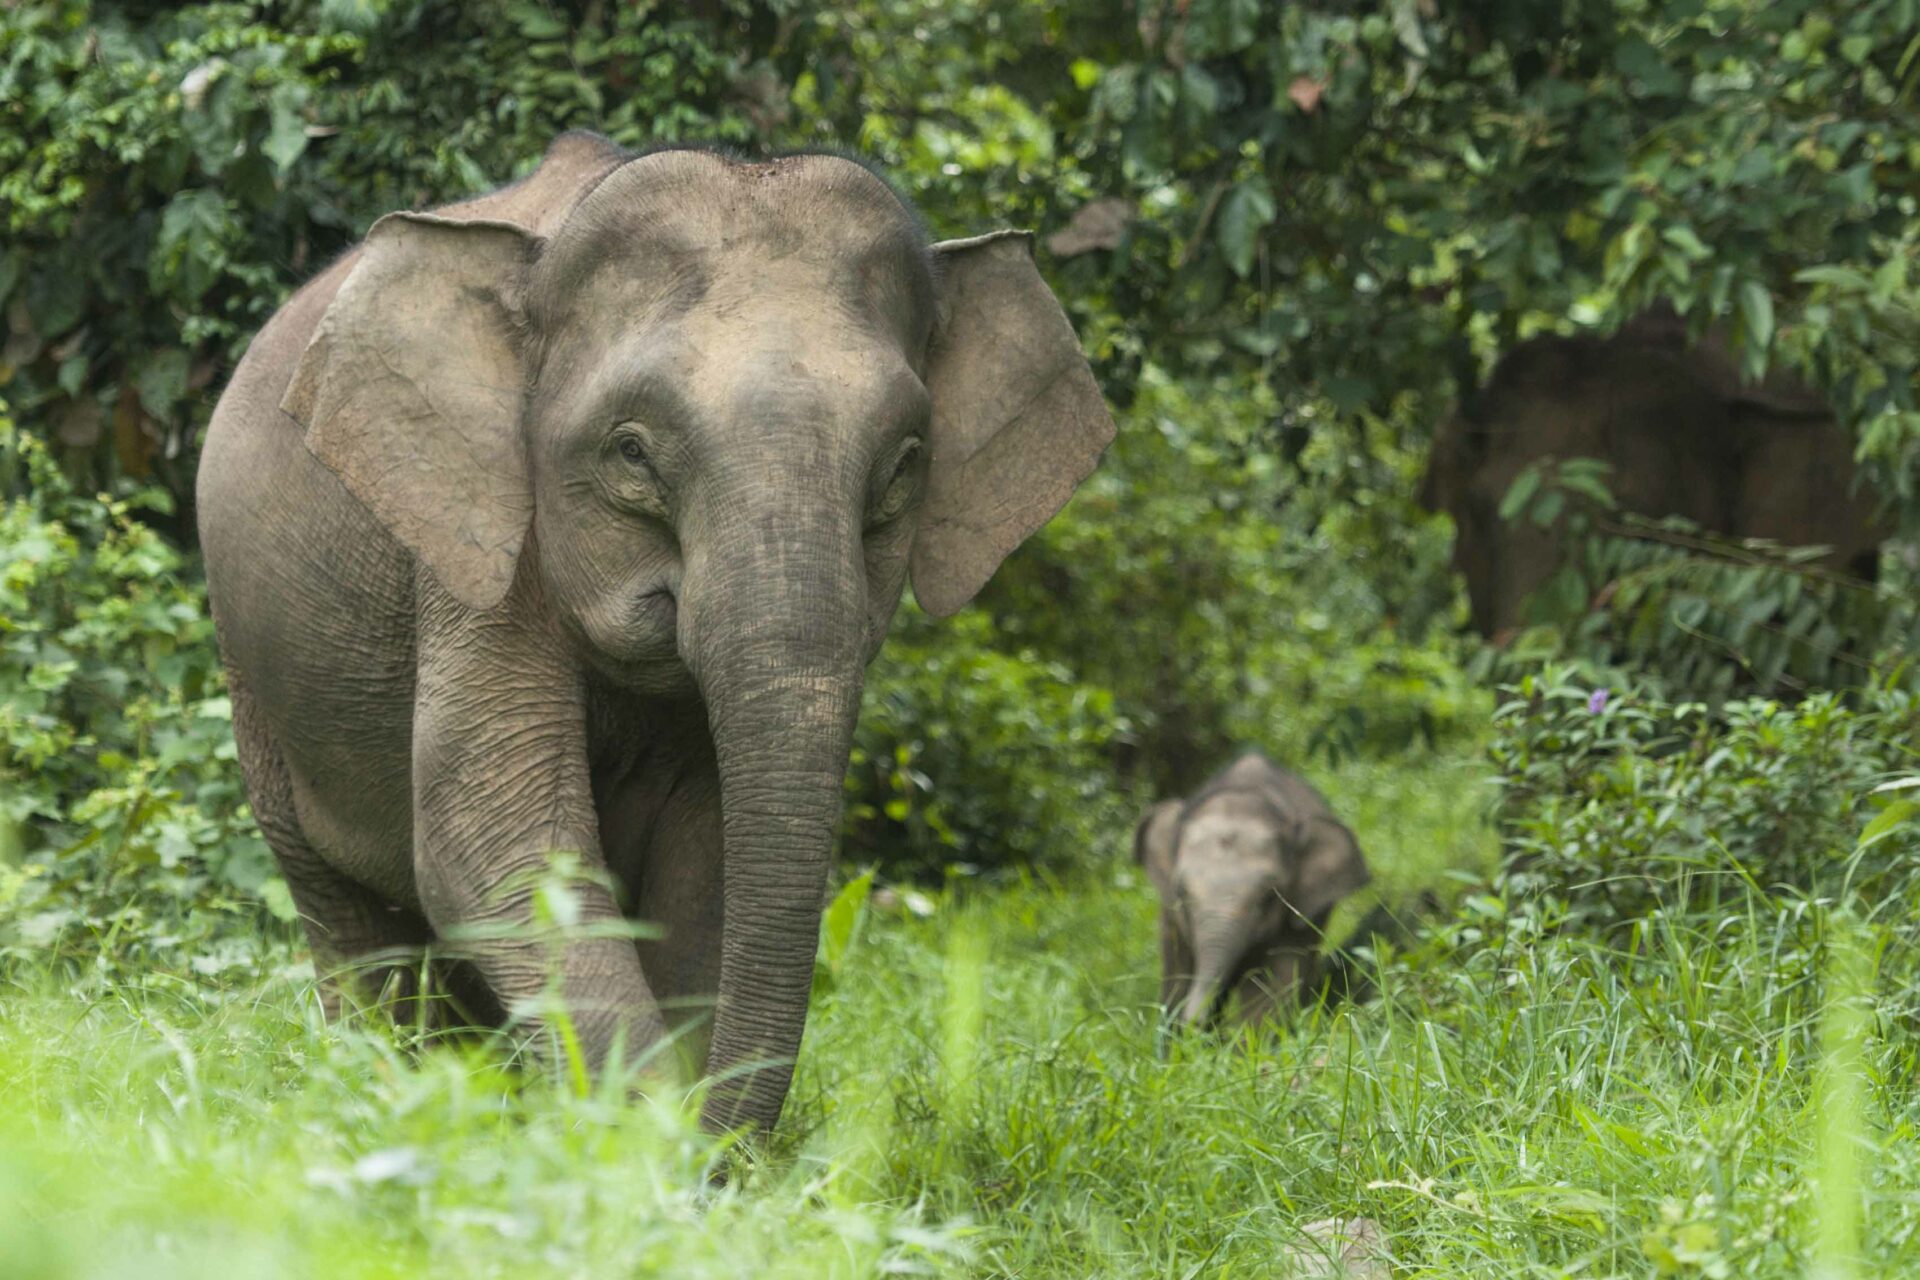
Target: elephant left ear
1330,868
1018,420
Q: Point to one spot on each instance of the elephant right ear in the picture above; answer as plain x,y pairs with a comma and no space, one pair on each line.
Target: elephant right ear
1330,867
411,390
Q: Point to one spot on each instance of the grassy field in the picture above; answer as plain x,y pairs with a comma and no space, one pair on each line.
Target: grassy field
978,1096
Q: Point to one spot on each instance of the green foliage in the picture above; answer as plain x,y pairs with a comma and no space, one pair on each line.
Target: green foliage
168,177
996,1107
1619,808
1228,598
295,1150
969,755
123,827
1692,613
840,927
1383,196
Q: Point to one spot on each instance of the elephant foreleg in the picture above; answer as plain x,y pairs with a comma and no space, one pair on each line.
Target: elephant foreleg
502,799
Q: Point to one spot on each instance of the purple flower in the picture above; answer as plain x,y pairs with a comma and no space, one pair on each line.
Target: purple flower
1598,702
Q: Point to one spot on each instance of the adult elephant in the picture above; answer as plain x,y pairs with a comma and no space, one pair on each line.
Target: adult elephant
1685,435
566,519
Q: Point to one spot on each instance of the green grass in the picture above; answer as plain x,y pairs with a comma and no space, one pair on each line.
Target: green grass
978,1096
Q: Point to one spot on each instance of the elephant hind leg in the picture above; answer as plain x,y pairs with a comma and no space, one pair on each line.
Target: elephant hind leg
366,951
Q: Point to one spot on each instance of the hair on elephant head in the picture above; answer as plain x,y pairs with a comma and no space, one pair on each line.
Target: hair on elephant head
661,430
1248,869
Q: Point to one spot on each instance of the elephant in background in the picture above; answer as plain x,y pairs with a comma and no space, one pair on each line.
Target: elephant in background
1685,435
567,519
1248,869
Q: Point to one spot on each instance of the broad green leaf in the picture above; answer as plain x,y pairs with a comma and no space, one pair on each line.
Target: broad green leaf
841,923
1836,276
1520,492
286,139
1244,213
1888,818
1756,315
1683,238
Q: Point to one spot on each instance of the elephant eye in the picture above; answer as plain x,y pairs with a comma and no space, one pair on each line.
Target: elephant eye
898,487
629,443
631,480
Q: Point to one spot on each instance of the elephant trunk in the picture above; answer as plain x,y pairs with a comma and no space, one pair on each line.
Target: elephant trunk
776,641
1220,945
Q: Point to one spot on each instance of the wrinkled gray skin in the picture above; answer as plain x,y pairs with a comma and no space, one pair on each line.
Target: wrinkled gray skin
1685,435
1249,868
567,519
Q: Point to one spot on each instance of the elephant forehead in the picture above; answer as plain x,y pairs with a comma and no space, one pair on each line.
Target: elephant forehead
681,230
1228,839
711,369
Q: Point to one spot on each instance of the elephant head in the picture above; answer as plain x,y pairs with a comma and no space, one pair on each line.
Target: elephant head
711,420
1248,871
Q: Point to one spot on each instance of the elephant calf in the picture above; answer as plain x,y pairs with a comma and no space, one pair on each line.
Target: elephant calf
568,518
1248,870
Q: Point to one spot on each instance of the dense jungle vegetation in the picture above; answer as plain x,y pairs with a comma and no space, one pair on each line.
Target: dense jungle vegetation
1659,1014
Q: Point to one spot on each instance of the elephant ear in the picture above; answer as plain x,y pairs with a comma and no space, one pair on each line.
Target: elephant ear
1018,420
1330,867
411,391
1153,843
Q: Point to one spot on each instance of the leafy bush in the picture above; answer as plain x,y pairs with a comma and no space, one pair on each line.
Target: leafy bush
1693,613
967,754
168,176
123,826
1618,806
1228,598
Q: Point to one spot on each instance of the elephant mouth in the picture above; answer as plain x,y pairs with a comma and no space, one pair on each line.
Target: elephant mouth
635,644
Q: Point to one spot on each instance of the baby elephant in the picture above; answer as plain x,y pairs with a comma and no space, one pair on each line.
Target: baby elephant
1248,869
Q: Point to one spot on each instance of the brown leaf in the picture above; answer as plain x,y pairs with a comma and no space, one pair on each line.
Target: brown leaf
1099,224
1339,1249
1306,93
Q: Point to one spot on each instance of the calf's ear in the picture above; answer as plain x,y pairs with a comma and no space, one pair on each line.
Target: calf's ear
1330,866
1153,844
